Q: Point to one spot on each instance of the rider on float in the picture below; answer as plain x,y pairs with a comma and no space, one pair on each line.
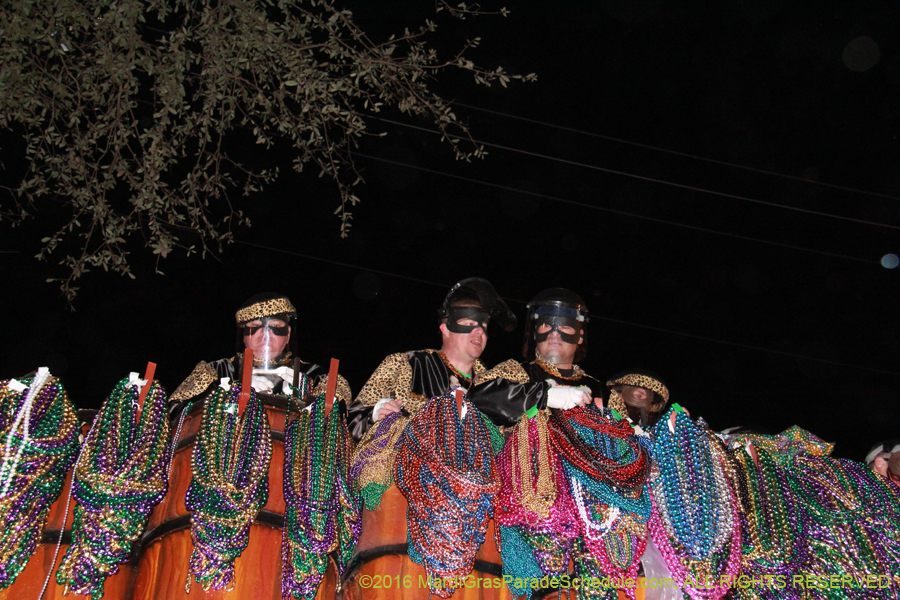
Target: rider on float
405,380
555,339
266,324
639,395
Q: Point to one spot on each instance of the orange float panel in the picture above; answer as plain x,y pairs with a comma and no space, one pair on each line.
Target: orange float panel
385,572
30,581
162,568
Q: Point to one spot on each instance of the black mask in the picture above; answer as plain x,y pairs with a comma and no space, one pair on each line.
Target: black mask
275,329
555,323
458,313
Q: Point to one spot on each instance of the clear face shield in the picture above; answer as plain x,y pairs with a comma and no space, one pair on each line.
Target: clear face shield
271,339
564,320
557,311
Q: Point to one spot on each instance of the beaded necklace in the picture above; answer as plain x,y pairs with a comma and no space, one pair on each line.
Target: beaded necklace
463,378
519,561
39,428
607,469
695,522
588,566
528,451
322,513
542,521
623,546
852,517
625,470
120,475
445,468
702,580
551,539
372,462
230,465
772,533
691,492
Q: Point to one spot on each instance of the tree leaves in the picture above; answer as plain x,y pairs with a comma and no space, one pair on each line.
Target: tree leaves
130,110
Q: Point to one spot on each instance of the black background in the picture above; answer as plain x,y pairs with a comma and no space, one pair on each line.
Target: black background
744,333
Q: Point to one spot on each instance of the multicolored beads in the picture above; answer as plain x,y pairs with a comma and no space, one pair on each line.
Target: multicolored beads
323,514
121,474
230,483
39,430
696,520
446,471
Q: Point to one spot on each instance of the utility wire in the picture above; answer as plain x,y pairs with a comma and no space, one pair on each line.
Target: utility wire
678,153
747,346
593,316
341,264
647,146
646,178
609,210
615,211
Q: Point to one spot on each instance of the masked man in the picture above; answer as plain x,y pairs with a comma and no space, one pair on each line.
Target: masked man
266,324
555,339
404,381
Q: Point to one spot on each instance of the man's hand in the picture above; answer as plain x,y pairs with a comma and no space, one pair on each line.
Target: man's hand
286,373
260,383
565,398
384,407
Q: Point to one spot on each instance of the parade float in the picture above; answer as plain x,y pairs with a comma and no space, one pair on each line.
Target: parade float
249,495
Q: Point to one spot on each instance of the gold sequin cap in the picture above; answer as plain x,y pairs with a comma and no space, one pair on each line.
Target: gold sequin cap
264,305
643,381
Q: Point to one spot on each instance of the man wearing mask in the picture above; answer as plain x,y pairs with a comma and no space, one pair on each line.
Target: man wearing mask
555,339
266,324
404,381
639,395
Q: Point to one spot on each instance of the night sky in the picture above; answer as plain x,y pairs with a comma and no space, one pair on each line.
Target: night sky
755,310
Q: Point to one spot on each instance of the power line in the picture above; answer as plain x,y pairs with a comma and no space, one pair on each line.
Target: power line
678,153
615,211
747,346
648,179
649,146
342,264
651,180
593,316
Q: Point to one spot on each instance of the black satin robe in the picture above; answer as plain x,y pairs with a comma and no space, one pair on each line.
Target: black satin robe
430,378
505,401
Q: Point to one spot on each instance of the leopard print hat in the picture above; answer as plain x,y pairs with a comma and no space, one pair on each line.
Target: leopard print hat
267,304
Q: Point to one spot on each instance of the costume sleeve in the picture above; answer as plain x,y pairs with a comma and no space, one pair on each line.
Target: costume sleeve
390,376
203,375
341,391
359,419
393,376
506,392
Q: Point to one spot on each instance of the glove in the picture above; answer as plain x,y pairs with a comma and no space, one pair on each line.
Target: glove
564,398
260,383
285,373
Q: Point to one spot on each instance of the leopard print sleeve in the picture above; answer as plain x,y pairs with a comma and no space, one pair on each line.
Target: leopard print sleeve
196,383
341,391
394,374
510,370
